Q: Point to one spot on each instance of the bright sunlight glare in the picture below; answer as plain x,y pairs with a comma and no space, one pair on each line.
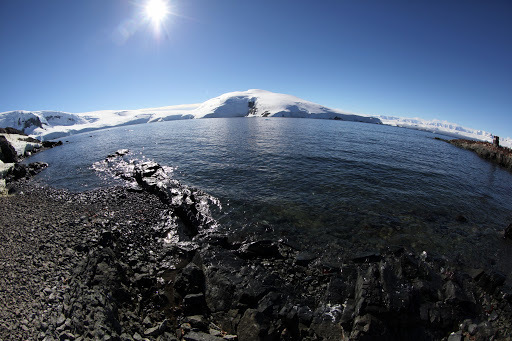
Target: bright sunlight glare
156,11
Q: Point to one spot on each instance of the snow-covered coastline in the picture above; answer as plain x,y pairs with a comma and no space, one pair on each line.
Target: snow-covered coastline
444,128
48,125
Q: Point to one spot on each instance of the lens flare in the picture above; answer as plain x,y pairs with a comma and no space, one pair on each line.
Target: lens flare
156,11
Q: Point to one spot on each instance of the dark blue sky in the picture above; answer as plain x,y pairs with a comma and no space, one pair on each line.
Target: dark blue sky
450,60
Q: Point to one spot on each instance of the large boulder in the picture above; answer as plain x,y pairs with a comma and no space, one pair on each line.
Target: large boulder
20,171
254,326
7,152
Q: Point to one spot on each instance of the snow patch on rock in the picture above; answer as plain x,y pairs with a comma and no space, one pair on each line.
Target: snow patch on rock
20,143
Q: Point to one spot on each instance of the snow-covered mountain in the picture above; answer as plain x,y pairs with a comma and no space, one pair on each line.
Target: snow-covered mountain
264,103
47,125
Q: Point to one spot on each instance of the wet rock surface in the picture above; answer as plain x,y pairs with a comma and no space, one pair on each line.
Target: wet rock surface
148,263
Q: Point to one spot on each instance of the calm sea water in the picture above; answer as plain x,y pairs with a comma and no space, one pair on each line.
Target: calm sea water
336,188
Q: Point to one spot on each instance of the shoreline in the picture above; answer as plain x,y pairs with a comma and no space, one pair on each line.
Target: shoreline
144,263
501,156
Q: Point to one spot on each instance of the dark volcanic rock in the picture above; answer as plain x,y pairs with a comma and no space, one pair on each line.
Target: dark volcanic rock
51,144
20,171
254,326
194,304
304,258
186,203
190,280
9,130
508,232
262,248
461,219
7,152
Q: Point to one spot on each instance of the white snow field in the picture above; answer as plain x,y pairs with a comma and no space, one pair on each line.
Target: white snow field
47,125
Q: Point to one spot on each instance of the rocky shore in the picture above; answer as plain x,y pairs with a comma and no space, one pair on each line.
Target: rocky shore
14,147
501,156
147,262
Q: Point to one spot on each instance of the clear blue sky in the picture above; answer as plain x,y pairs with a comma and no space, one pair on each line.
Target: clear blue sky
449,59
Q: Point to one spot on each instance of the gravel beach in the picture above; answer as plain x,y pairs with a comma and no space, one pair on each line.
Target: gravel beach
46,235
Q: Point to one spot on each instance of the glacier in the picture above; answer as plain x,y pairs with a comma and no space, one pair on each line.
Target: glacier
48,125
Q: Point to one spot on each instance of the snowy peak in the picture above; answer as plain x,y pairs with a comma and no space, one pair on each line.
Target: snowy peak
262,103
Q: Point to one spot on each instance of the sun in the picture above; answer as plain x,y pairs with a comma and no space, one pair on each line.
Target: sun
156,11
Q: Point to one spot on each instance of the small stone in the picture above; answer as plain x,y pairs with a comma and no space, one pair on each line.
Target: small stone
215,332
125,337
455,336
199,336
461,219
147,321
304,258
472,328
261,248
157,330
66,336
61,319
152,331
122,152
186,327
197,322
194,304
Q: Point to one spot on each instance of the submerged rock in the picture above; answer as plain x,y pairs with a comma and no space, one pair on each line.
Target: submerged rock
508,232
262,248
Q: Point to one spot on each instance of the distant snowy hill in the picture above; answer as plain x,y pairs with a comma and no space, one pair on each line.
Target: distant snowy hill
47,125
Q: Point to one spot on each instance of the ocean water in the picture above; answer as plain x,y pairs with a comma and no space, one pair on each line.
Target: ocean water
334,188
